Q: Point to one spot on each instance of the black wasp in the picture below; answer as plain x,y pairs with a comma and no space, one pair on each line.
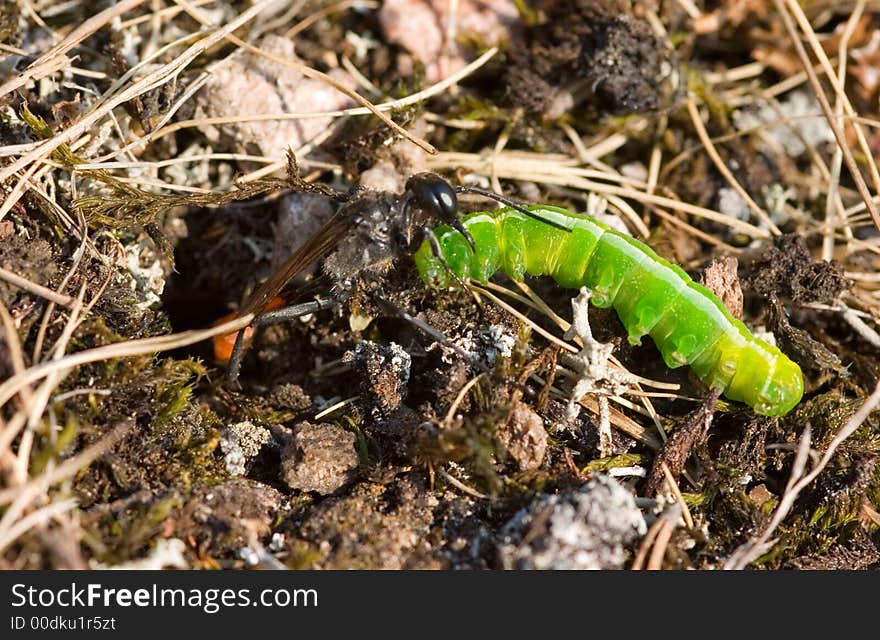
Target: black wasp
361,241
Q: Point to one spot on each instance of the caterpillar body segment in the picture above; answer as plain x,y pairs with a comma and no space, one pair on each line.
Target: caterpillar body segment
651,296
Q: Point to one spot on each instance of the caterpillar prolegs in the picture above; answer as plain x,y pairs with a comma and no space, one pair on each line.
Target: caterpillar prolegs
689,325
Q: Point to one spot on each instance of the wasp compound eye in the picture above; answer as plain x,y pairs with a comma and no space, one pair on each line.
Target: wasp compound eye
433,194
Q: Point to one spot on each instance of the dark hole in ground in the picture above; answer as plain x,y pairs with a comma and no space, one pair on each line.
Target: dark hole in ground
214,264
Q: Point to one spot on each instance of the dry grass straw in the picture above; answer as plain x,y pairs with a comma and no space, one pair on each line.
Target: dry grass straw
836,125
700,128
164,74
563,171
833,203
617,418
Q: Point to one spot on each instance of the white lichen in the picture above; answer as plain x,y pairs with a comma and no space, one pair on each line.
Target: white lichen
596,373
484,345
147,273
775,197
776,202
240,443
805,125
584,529
733,205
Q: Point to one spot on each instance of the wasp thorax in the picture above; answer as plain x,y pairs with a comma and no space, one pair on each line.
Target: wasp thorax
372,244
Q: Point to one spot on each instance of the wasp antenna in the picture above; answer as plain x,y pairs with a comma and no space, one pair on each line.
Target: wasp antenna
513,205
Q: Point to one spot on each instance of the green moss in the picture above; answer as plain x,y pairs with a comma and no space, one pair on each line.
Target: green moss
177,378
118,537
10,13
693,500
50,449
614,462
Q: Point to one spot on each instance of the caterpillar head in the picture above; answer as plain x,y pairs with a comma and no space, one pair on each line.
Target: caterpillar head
765,379
430,267
783,390
456,252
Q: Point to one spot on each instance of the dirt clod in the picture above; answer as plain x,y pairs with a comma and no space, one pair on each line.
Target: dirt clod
374,526
383,372
29,258
290,396
788,271
318,457
524,437
592,49
229,513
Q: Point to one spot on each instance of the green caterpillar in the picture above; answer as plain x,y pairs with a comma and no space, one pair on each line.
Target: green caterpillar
652,297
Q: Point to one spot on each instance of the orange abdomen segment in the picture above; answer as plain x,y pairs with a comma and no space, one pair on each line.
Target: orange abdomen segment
223,345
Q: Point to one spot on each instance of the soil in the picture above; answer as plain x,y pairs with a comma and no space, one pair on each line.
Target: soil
410,427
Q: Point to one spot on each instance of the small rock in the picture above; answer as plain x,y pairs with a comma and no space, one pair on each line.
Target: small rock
398,162
252,85
585,529
760,495
319,457
524,437
240,443
383,176
420,27
290,396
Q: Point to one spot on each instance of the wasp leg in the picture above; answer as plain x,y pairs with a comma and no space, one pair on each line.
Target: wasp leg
432,332
437,251
276,317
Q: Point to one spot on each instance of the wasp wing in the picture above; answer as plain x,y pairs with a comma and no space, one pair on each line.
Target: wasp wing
318,246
